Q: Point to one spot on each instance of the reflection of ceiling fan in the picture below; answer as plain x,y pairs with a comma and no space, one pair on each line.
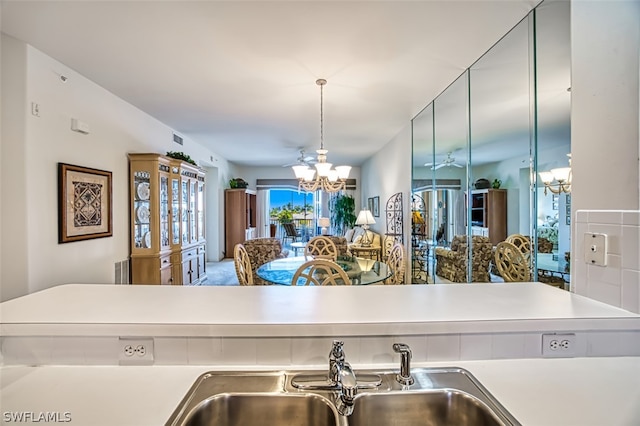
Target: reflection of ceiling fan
302,160
447,162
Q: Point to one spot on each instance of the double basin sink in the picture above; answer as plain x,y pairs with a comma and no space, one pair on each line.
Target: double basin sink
438,396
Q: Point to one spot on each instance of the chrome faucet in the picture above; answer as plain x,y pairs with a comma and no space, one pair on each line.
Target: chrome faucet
336,361
342,377
347,389
404,377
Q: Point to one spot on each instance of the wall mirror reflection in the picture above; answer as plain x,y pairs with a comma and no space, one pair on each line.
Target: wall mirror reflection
477,151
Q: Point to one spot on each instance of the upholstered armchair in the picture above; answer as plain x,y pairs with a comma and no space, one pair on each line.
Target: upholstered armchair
451,263
341,245
261,251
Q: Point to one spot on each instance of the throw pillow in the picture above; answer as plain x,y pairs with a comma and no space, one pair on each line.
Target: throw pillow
349,234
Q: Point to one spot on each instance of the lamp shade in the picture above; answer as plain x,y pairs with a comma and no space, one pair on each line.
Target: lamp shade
324,222
300,171
562,174
365,218
547,177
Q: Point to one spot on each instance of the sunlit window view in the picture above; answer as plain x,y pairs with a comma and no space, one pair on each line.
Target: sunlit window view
292,213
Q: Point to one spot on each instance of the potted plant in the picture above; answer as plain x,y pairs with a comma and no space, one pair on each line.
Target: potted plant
238,183
343,213
181,156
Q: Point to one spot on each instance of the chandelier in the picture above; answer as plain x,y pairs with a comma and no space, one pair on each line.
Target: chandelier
326,179
557,180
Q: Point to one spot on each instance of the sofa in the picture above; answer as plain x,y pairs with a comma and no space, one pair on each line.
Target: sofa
354,237
451,263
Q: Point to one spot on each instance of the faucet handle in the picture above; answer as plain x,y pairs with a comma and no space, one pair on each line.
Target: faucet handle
404,377
348,388
337,353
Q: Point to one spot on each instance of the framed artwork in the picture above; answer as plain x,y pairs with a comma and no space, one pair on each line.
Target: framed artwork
370,204
375,211
84,203
554,202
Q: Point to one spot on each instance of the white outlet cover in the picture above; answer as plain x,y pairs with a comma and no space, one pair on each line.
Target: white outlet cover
135,356
595,249
559,345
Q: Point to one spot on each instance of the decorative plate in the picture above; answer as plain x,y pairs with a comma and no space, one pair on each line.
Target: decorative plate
142,214
146,240
142,191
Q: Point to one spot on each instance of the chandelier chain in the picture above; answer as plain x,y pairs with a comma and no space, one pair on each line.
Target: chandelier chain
326,178
321,83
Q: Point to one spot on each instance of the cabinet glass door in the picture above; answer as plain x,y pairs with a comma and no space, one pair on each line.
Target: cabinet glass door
142,209
184,211
164,211
175,211
193,236
200,214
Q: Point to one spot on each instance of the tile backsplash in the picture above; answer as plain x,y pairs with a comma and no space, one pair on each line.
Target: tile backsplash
617,283
311,351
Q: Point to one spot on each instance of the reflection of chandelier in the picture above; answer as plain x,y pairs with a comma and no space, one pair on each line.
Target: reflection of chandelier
561,177
328,179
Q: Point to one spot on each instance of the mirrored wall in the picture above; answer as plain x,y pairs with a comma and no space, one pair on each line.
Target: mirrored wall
477,149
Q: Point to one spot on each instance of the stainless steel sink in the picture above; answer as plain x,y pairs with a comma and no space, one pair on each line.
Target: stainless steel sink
263,409
437,407
450,396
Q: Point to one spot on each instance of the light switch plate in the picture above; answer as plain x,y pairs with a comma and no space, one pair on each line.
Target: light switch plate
595,249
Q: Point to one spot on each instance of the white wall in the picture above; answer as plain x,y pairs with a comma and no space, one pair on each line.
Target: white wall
32,146
605,44
385,174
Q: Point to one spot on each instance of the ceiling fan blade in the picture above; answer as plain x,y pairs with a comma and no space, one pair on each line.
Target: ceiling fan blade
439,166
457,165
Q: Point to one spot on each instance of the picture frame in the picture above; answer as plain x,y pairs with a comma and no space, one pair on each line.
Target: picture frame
375,211
554,202
370,204
85,209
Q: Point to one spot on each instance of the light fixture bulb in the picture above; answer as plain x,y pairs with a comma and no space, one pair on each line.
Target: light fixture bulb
561,174
300,171
343,171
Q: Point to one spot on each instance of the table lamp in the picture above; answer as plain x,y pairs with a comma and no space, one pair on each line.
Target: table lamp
365,218
325,223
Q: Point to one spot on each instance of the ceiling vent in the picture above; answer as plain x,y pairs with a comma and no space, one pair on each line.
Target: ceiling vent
177,139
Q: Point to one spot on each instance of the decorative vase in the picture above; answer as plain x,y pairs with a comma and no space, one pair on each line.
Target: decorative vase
496,184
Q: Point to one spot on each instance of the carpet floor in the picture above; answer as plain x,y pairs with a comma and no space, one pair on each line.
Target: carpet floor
221,273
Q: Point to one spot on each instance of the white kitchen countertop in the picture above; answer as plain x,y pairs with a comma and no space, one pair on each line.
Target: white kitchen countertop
96,310
537,392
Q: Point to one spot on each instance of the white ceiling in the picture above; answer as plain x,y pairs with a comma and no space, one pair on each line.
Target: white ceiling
239,76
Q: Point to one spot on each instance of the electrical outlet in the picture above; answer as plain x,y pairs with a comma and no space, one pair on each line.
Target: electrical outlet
558,345
135,351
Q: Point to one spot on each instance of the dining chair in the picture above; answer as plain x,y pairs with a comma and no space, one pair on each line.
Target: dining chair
395,262
321,248
261,251
512,264
522,242
320,272
243,265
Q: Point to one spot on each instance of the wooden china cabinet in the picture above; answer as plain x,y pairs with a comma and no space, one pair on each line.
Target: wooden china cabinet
167,210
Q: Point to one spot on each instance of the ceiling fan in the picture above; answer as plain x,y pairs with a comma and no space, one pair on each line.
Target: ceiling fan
302,160
447,162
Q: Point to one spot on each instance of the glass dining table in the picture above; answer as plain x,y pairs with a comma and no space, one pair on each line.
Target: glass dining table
360,271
